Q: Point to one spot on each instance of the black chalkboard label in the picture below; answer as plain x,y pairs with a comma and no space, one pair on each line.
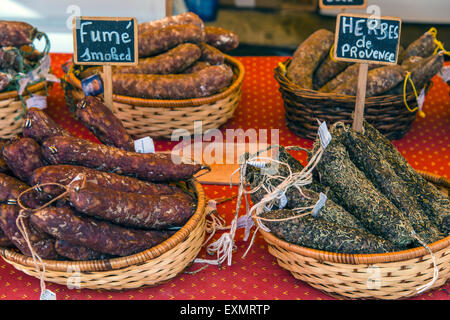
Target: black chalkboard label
105,40
359,38
341,4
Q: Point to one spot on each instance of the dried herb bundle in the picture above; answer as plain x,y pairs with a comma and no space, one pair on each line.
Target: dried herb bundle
360,197
377,169
323,235
434,203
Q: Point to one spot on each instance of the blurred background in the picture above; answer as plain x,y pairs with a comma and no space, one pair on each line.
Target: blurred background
265,27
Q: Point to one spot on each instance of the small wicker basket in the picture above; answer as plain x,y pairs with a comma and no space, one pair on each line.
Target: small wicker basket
304,107
395,275
159,118
151,267
12,109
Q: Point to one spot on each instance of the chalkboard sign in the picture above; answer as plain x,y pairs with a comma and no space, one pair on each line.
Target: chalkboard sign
359,38
342,4
105,41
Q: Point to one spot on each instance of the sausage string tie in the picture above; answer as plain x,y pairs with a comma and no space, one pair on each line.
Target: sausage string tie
25,213
439,44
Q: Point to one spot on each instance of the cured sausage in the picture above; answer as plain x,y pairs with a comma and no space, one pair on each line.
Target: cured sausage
183,18
149,166
422,47
199,65
211,55
11,188
39,126
173,61
42,244
327,70
4,240
131,209
307,57
16,33
3,167
154,42
220,38
64,174
5,79
205,82
23,155
348,74
102,122
9,60
77,252
102,236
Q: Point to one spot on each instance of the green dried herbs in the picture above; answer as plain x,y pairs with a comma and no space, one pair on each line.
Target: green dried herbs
378,170
323,235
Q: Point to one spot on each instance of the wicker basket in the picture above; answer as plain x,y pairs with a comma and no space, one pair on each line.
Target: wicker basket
12,109
159,118
304,107
151,267
355,276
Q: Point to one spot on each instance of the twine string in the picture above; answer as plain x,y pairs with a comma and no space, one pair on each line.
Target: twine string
433,259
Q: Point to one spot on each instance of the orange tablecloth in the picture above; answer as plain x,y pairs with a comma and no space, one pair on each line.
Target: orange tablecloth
258,276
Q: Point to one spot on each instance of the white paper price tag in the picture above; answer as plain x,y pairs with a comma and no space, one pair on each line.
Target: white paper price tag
48,295
36,101
144,145
324,135
319,204
445,72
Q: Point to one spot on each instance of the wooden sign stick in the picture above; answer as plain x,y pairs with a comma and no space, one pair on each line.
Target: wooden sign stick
107,86
360,97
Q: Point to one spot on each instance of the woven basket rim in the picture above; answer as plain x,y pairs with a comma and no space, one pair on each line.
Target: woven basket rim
120,262
15,94
289,86
238,70
365,258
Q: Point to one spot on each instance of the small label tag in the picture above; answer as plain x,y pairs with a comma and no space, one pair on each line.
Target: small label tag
144,145
319,205
445,73
257,164
283,201
92,86
421,99
324,135
36,101
47,295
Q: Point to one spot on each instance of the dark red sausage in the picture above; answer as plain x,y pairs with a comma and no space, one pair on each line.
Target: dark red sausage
154,42
102,122
4,240
203,83
77,252
11,188
23,155
131,209
5,79
42,244
39,126
16,33
102,236
211,55
220,38
150,166
183,18
196,67
64,174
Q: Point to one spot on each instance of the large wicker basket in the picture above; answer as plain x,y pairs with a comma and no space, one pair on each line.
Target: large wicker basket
395,275
12,109
151,267
304,107
159,118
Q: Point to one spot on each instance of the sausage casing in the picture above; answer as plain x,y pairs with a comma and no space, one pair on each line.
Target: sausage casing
205,82
183,18
211,55
65,174
39,126
77,252
154,42
220,38
23,155
11,188
102,122
16,33
102,236
131,209
149,166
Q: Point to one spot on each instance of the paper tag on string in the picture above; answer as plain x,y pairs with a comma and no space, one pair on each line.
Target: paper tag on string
445,73
144,145
319,205
36,101
257,164
324,135
421,99
283,201
48,295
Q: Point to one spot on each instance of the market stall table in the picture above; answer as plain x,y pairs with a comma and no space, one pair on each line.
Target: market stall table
257,276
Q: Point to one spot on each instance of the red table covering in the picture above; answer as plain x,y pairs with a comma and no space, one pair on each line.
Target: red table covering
257,277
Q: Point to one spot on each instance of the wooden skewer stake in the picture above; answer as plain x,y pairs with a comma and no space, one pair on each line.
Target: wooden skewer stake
107,86
360,97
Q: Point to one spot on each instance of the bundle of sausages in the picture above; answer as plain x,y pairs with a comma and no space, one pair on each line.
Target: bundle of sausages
89,200
179,58
313,68
17,54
